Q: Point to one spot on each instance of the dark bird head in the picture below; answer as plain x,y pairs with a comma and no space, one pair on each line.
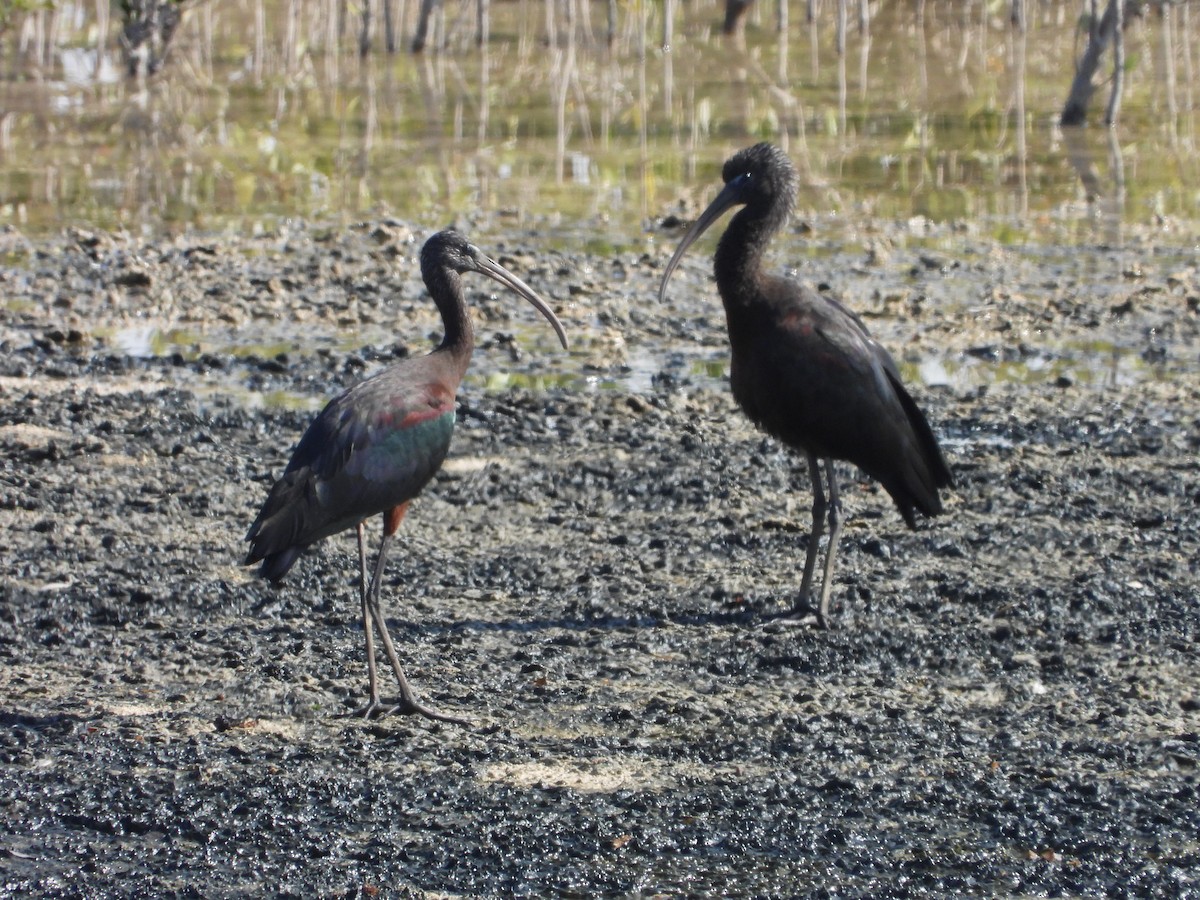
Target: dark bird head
762,179
450,251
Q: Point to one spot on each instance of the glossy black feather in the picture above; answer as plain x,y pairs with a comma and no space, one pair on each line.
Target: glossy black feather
804,367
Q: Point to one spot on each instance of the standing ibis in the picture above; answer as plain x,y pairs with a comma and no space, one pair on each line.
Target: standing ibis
375,446
804,368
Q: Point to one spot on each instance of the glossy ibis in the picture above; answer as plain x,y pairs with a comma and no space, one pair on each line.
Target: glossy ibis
804,368
375,446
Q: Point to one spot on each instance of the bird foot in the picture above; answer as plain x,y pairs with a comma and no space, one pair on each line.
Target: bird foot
373,709
412,708
802,615
377,709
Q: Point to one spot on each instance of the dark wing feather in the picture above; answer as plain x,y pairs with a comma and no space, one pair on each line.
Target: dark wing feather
815,378
371,449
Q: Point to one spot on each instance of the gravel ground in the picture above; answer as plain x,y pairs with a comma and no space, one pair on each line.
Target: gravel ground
1008,706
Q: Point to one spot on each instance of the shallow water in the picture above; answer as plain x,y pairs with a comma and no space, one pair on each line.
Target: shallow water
252,124
1097,365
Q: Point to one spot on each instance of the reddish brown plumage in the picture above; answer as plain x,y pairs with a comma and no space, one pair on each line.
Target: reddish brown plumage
375,446
393,517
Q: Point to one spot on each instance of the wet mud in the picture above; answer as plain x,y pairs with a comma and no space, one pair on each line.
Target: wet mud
1009,704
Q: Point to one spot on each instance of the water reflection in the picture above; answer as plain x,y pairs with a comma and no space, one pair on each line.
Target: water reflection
1020,37
1093,364
261,115
1105,196
1098,366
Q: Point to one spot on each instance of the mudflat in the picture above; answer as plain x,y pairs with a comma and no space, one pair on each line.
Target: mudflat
1009,703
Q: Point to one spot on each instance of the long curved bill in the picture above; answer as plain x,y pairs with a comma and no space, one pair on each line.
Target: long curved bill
497,272
730,196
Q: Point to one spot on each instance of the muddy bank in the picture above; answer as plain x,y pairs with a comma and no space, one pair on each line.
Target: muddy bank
1009,704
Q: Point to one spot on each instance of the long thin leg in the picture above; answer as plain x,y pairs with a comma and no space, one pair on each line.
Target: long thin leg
408,704
803,609
819,507
835,533
373,704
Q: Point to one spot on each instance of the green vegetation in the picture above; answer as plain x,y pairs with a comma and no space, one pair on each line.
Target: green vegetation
11,11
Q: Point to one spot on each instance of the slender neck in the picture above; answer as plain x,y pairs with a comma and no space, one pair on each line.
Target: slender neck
738,261
459,338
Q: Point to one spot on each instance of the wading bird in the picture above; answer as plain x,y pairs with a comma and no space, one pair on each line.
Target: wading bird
804,368
375,446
